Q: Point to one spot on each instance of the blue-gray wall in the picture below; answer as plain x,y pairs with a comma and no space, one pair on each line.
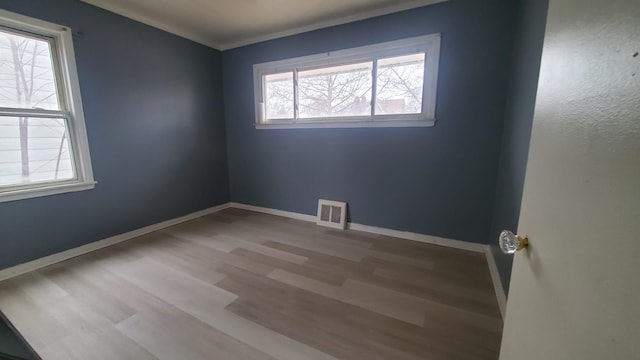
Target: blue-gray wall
438,181
154,114
529,38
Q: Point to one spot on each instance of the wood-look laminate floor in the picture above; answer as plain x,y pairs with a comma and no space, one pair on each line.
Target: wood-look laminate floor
243,285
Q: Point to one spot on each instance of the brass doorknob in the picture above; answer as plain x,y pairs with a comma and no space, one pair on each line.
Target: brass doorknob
510,242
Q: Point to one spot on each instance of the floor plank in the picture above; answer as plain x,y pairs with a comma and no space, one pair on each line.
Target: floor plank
243,285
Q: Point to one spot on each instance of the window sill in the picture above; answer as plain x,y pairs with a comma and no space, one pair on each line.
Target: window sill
347,124
45,190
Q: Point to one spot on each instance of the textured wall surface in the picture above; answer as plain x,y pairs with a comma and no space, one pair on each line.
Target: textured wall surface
575,292
438,181
154,114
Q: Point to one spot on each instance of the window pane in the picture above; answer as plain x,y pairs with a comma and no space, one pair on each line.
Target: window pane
335,91
399,85
26,72
279,96
34,150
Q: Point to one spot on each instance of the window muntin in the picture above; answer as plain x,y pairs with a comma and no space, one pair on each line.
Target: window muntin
387,84
43,144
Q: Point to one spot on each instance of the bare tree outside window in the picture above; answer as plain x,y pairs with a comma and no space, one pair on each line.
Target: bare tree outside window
32,149
345,90
279,94
336,91
400,84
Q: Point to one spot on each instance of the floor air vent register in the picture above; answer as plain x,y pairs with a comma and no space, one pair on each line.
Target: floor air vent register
332,214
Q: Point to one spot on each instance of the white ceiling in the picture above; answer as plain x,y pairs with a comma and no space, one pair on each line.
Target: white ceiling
225,24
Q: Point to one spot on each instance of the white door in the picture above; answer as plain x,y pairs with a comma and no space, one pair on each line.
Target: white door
575,292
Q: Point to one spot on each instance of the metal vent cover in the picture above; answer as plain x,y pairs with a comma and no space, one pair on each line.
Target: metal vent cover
332,214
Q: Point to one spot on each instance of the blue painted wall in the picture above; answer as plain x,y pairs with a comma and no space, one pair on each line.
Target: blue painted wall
438,181
531,23
154,114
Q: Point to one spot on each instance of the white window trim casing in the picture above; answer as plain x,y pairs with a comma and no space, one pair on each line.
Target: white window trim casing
426,43
67,75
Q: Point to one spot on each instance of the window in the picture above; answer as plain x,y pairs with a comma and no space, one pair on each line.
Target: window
390,84
43,141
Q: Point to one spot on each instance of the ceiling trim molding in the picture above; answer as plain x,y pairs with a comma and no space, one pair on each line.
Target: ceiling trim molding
176,30
330,23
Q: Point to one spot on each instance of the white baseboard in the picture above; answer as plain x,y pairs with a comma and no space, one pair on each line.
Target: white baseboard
428,239
373,229
497,282
68,254
264,210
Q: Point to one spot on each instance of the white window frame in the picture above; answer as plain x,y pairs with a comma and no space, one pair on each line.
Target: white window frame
66,76
429,44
